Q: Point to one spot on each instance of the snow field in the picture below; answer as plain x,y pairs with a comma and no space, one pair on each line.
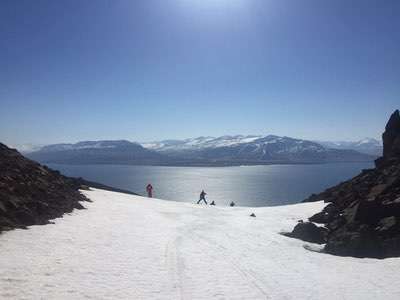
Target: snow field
130,247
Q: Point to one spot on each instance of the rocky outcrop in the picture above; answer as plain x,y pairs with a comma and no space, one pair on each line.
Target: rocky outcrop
391,141
308,232
31,193
363,217
391,137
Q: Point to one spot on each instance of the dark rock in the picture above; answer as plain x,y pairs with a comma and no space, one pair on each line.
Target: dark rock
78,206
253,215
321,218
232,204
309,232
358,240
391,136
25,217
336,223
326,215
363,214
380,162
391,247
390,208
387,224
33,194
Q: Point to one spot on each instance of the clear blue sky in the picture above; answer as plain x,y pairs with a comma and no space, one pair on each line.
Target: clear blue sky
152,69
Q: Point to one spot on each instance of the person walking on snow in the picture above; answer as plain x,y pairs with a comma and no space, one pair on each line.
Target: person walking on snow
202,197
149,189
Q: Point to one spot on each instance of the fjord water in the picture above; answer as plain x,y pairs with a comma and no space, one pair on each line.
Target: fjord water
245,185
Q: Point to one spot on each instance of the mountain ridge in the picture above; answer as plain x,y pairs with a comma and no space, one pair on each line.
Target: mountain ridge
97,152
366,145
224,150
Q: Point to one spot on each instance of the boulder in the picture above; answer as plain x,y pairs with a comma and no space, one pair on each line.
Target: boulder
321,218
326,215
308,232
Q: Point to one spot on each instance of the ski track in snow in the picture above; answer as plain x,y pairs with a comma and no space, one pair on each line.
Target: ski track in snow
129,247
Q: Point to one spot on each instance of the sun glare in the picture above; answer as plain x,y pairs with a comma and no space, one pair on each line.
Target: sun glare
214,4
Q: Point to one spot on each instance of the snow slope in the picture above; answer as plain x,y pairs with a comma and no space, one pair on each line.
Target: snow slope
129,247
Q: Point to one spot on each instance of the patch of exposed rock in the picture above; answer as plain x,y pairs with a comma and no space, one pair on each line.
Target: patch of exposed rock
32,194
363,217
308,232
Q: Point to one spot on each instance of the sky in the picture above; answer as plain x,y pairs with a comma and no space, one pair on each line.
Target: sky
147,70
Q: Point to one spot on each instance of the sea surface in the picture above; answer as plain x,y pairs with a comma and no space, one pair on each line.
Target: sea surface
245,185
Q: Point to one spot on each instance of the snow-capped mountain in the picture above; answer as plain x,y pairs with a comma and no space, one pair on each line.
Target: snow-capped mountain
253,149
224,150
367,145
200,143
97,152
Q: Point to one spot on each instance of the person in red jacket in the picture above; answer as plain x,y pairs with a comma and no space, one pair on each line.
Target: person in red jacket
149,189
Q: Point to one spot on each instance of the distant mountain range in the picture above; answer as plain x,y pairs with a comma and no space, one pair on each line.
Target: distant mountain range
97,152
367,145
224,150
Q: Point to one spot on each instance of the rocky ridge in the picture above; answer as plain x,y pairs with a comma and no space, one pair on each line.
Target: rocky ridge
363,214
32,194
